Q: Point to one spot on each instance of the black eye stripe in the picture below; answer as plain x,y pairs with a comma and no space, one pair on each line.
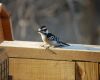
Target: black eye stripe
43,27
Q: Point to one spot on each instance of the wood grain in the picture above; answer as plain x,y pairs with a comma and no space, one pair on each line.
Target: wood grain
28,61
31,69
23,49
3,55
3,65
86,71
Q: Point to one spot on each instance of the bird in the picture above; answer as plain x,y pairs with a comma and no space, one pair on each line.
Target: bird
49,39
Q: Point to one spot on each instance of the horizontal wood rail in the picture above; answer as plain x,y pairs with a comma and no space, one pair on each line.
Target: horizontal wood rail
79,52
29,61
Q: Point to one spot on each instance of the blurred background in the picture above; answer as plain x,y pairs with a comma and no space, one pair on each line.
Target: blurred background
74,21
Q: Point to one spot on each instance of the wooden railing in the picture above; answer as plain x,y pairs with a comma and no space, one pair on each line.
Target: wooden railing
20,60
29,61
5,34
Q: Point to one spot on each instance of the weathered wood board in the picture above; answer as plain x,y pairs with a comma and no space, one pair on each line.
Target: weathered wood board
29,61
33,50
31,69
86,71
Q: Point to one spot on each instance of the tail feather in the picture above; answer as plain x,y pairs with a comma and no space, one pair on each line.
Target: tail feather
62,43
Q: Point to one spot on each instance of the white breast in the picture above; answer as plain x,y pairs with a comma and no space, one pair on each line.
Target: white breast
43,37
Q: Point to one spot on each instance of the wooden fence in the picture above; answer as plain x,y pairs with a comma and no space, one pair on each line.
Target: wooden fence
28,61
23,60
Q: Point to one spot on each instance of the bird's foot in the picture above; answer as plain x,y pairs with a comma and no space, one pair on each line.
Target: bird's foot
42,45
45,46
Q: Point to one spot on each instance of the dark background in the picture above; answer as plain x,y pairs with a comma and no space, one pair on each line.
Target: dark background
74,21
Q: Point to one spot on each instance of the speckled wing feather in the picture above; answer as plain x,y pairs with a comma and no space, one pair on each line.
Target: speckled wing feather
52,37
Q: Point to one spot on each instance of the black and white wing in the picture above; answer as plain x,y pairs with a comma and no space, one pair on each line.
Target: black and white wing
52,37
56,40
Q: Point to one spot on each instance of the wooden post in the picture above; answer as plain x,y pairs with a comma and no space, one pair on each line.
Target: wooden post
5,24
3,65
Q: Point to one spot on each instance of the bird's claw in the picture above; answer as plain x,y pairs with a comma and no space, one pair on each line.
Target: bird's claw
45,46
42,45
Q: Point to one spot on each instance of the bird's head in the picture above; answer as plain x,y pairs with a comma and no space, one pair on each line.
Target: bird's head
43,30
